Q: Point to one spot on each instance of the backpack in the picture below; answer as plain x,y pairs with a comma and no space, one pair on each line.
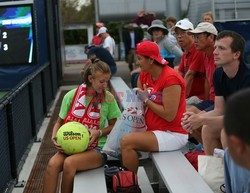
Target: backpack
192,157
125,182
109,172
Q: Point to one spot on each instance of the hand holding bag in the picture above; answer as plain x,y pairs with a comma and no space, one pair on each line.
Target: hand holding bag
131,120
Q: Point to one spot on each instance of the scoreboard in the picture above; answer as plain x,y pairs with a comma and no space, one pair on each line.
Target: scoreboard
17,35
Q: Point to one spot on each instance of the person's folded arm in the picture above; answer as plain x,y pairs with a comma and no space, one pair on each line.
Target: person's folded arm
213,121
214,118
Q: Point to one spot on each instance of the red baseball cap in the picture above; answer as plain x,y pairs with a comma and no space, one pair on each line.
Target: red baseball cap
151,49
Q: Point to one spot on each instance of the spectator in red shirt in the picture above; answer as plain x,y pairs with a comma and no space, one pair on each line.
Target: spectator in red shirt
162,90
204,38
97,40
191,66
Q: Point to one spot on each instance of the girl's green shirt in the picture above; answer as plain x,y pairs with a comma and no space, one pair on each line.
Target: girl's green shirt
109,110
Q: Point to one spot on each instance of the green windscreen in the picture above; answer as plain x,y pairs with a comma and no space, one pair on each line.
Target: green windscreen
2,93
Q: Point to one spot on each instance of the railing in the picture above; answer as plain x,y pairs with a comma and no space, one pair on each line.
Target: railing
22,111
231,10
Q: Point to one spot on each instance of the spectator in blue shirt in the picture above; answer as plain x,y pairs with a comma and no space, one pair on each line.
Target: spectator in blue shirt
102,54
237,163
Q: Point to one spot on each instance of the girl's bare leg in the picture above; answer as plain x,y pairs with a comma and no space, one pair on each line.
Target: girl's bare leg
53,169
78,162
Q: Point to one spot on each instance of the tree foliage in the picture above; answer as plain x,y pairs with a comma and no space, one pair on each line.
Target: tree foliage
87,12
73,13
69,11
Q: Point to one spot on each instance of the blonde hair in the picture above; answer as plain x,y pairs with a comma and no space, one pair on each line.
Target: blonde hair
209,13
96,66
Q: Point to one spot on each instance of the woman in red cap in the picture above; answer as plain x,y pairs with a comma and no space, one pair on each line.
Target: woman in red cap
162,90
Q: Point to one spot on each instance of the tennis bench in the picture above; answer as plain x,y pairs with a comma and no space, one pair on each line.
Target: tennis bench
121,91
93,181
178,174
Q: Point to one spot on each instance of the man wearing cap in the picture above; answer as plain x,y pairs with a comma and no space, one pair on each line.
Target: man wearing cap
230,76
169,50
162,90
108,41
191,66
97,40
204,39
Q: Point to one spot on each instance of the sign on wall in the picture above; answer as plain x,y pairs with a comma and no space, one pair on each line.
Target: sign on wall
75,54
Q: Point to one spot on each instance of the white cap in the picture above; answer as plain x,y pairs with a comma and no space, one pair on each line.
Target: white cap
205,27
144,26
102,30
184,24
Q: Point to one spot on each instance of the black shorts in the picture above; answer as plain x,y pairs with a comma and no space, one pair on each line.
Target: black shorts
205,105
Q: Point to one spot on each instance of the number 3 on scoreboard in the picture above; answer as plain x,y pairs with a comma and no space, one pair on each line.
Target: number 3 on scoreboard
5,47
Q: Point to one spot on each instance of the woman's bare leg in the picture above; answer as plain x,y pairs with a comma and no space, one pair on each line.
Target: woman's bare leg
133,142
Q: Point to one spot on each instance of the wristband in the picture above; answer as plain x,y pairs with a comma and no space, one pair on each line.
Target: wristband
100,133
